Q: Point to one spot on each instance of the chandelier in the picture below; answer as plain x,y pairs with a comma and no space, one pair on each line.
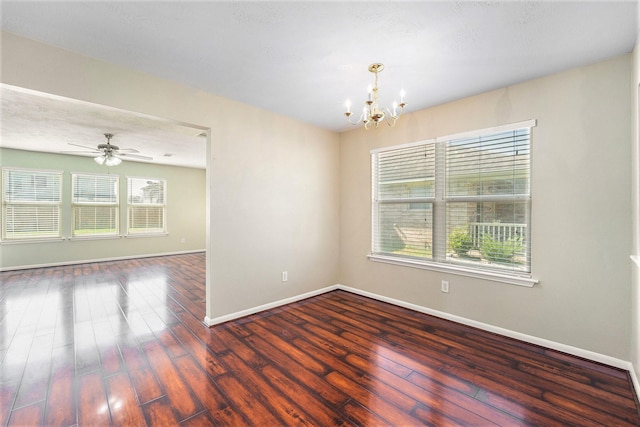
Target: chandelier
371,112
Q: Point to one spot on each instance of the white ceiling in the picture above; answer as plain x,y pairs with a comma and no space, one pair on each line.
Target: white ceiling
35,121
303,59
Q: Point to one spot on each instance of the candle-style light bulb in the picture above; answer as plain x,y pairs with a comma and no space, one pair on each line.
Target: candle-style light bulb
402,93
348,104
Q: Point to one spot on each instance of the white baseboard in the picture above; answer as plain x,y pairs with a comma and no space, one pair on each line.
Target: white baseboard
634,380
575,351
238,314
89,261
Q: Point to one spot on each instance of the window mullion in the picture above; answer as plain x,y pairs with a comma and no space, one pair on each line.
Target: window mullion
439,208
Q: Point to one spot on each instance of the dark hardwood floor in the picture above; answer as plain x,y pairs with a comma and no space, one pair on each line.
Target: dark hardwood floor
123,343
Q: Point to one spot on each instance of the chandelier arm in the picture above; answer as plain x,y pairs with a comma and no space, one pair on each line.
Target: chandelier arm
357,122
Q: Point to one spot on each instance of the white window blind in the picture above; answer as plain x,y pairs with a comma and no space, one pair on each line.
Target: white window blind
404,192
147,207
31,204
462,201
95,205
487,199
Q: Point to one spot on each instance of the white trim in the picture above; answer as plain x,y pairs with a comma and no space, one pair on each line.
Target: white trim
635,259
467,134
524,280
238,314
18,168
634,379
90,261
401,146
575,351
95,237
496,129
564,348
136,235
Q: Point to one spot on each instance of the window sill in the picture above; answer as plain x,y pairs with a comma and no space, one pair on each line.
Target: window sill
524,280
135,236
96,237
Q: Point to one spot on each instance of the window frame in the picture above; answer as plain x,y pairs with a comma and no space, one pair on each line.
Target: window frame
131,205
438,260
7,201
75,205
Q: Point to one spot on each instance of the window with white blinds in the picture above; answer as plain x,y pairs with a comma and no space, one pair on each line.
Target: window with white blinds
31,204
461,201
404,193
95,205
146,205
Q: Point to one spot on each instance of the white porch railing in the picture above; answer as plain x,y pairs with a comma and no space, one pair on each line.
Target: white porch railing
497,230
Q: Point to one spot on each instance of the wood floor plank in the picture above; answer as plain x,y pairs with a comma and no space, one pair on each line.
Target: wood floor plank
310,379
123,343
177,392
93,405
278,403
7,395
27,415
247,402
122,402
322,413
144,382
200,420
200,351
220,410
377,404
361,416
60,407
285,347
160,413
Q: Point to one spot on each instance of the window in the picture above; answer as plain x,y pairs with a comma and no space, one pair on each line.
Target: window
94,205
404,182
460,202
31,204
147,198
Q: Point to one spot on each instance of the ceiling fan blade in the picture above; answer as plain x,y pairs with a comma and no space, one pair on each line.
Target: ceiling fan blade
132,156
82,146
83,152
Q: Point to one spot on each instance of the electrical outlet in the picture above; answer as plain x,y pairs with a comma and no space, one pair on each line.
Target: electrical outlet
183,240
285,276
444,286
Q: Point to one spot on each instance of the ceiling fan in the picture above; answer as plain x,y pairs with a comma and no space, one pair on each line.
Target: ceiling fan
108,154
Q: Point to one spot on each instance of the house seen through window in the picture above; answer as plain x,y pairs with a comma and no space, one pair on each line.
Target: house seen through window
146,205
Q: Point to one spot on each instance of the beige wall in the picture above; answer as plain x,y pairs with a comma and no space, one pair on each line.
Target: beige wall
581,236
273,182
185,212
288,196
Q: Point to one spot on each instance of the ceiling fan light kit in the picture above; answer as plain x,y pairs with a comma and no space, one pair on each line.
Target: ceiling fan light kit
108,156
371,112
